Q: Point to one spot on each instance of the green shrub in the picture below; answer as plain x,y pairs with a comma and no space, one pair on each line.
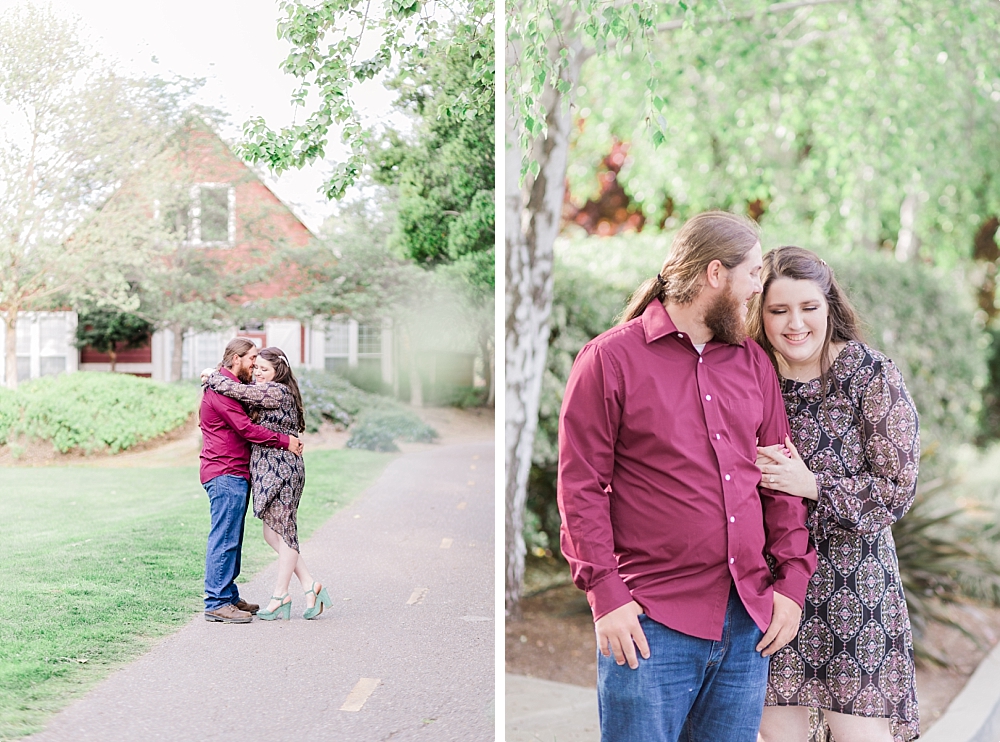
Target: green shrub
378,429
100,411
924,321
331,398
375,422
10,413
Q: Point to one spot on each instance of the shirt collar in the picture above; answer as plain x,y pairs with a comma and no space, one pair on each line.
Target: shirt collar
226,372
656,323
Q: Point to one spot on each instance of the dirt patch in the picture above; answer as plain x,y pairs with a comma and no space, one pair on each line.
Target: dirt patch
554,640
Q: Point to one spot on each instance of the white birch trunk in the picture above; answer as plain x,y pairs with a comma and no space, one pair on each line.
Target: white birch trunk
533,214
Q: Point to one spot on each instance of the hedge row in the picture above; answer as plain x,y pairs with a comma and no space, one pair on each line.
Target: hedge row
375,422
94,411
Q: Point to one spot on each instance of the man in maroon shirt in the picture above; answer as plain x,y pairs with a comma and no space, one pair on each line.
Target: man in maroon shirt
664,522
227,433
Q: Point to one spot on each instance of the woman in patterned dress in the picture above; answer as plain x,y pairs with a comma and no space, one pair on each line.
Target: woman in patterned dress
277,476
854,454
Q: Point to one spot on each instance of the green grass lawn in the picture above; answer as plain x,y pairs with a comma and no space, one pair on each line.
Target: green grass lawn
95,563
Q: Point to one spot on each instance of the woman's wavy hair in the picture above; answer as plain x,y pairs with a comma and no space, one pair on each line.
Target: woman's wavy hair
283,375
799,264
711,235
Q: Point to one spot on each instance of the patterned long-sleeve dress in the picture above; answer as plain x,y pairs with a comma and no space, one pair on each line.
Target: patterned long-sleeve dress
277,476
854,650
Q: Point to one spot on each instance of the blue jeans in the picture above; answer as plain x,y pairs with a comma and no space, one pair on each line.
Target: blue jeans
690,689
228,497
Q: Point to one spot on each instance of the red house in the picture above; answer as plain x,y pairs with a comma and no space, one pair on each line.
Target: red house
229,209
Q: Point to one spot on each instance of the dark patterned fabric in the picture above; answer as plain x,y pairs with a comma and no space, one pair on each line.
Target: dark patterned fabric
277,476
854,650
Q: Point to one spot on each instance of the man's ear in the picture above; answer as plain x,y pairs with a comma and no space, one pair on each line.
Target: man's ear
715,274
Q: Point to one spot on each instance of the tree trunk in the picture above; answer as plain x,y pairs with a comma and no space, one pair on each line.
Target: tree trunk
10,348
416,386
533,214
114,358
488,370
177,355
906,241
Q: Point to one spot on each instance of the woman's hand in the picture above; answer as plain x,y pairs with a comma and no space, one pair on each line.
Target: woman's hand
206,373
782,469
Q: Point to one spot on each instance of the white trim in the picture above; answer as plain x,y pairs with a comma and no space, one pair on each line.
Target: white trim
194,238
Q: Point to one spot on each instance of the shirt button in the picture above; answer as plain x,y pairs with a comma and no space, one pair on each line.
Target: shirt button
717,436
708,397
680,334
732,519
727,477
701,360
732,560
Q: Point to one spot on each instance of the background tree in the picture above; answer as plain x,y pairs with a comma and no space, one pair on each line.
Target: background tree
443,174
74,130
108,331
327,40
812,115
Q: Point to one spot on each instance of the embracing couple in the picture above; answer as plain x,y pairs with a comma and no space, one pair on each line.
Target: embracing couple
251,413
731,459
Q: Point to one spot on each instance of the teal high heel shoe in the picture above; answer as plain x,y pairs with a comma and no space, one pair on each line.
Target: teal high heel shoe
322,599
282,611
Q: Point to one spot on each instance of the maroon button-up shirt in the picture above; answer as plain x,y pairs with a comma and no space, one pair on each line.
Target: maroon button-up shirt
658,490
227,433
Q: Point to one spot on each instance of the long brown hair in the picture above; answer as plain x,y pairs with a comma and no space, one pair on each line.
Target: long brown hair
711,235
283,375
236,347
800,264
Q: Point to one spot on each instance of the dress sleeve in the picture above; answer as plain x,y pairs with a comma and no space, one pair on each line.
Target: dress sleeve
588,431
882,492
265,394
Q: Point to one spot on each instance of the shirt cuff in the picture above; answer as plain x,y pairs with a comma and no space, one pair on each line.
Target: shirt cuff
607,595
793,584
282,440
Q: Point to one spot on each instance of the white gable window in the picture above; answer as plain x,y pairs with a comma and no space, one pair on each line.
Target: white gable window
213,215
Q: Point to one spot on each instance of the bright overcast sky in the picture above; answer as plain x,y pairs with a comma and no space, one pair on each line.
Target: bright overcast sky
231,43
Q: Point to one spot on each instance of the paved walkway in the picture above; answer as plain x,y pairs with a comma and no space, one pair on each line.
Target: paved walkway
545,711
406,653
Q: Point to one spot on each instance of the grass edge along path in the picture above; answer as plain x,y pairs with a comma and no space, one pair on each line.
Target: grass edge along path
96,564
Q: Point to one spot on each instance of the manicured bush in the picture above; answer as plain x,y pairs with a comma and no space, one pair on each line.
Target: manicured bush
378,429
10,413
375,422
97,411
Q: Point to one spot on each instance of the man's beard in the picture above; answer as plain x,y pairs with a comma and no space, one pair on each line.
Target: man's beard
245,375
724,319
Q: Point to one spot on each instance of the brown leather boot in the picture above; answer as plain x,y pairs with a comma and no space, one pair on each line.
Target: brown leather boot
250,608
228,614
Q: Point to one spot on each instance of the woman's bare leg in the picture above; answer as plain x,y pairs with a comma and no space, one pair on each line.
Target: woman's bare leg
850,728
287,558
785,724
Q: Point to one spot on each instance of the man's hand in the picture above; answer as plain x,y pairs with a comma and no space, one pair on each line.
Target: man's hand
785,617
295,445
621,628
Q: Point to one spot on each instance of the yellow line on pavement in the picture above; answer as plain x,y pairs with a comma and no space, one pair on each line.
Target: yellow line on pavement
417,595
357,697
